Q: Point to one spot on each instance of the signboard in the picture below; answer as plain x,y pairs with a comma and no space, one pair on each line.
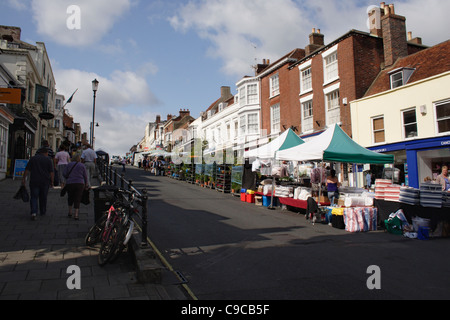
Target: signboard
19,168
11,96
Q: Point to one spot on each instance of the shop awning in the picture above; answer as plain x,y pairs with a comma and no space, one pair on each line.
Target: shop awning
333,145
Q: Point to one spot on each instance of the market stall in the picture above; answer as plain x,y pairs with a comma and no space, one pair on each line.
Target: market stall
334,145
267,152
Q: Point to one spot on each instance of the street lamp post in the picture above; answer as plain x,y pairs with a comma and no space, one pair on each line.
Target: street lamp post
94,88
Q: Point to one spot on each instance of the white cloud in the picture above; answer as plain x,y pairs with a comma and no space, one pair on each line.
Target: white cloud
96,17
277,27
123,106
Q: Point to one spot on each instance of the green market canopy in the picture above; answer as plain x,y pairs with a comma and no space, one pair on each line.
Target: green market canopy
285,141
333,145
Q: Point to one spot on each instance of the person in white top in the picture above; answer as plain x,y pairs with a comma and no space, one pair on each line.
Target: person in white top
62,159
89,158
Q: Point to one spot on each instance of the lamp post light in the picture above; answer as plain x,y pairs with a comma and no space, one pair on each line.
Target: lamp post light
94,88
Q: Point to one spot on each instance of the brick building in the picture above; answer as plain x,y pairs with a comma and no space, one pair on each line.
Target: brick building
310,89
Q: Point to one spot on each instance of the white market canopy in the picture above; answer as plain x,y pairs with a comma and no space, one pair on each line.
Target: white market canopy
333,145
285,141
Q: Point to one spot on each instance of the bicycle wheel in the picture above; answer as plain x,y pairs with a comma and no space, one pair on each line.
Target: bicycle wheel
109,244
123,229
94,234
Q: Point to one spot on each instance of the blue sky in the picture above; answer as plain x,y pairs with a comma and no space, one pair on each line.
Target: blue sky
157,57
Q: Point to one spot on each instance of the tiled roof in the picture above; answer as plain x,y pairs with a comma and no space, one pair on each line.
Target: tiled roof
427,63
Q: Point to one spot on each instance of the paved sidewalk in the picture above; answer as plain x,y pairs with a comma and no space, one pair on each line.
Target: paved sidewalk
35,256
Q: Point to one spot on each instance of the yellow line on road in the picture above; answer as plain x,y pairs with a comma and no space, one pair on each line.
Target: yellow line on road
167,264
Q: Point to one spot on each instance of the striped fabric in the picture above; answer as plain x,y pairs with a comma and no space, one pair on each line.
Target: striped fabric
360,219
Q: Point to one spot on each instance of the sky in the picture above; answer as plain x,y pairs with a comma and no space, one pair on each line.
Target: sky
157,57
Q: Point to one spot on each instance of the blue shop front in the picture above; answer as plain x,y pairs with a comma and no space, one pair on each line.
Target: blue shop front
418,160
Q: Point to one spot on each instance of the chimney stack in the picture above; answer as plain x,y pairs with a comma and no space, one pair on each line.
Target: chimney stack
225,93
260,67
415,40
158,119
11,34
184,113
316,41
394,35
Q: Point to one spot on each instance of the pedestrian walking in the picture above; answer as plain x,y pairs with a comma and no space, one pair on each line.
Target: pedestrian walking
40,169
62,159
124,162
76,182
89,158
368,180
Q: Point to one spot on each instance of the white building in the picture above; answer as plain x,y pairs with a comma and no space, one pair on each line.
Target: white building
31,68
231,123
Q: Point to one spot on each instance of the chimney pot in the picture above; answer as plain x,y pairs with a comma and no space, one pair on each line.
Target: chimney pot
392,8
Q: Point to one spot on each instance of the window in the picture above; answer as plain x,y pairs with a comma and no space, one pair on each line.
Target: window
307,108
397,80
252,94
274,85
305,80
331,67
400,78
242,96
333,100
443,116
242,120
307,116
378,130
275,118
410,123
253,123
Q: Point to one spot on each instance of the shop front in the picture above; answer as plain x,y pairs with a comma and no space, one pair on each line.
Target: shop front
418,161
6,118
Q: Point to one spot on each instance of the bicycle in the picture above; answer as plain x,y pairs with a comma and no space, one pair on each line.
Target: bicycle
114,229
127,224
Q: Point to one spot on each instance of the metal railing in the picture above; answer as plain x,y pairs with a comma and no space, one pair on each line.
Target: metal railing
111,177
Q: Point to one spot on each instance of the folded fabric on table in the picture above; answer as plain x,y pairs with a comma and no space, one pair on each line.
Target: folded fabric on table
392,193
409,196
446,199
355,202
431,199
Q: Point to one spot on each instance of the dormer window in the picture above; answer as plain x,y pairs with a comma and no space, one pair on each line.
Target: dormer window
400,77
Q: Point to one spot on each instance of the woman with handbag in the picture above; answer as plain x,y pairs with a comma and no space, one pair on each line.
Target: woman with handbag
76,182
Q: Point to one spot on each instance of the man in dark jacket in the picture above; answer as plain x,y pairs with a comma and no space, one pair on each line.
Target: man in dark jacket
40,169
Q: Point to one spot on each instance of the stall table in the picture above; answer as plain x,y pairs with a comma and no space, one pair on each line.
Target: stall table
302,204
